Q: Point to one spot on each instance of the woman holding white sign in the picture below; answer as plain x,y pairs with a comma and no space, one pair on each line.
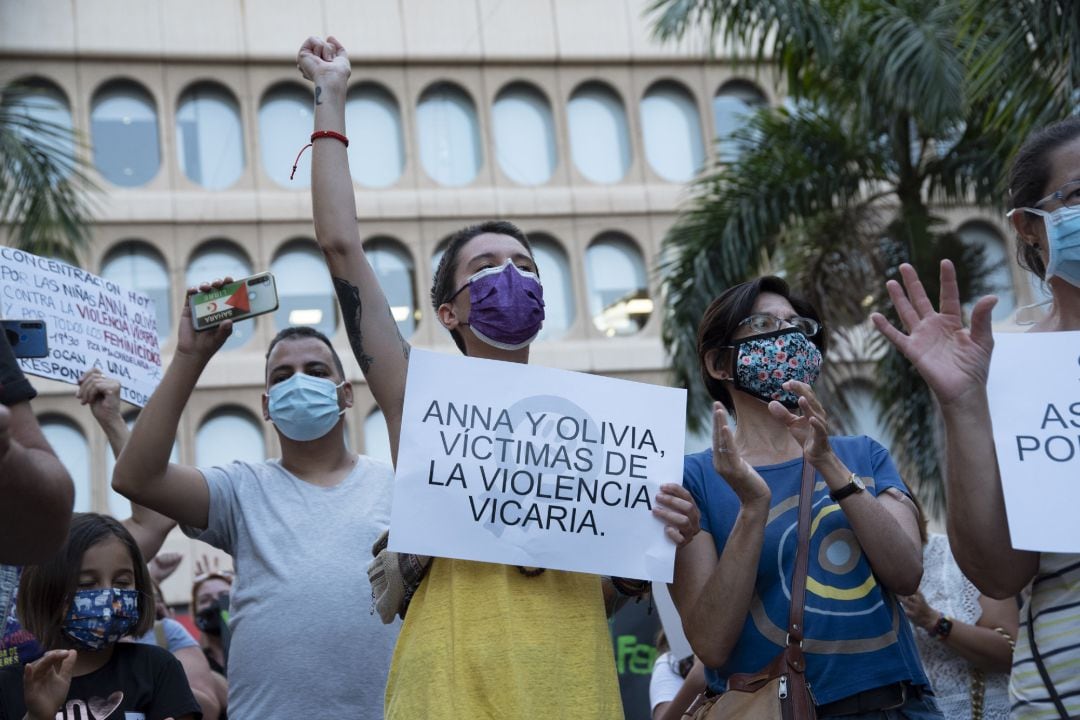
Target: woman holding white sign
1044,191
480,640
761,349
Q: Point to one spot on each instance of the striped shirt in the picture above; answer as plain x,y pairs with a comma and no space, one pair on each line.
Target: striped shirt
1055,606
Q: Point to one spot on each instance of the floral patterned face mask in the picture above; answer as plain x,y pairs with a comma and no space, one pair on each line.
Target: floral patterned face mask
98,618
763,363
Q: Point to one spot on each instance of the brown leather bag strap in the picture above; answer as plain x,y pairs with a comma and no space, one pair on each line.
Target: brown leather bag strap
802,556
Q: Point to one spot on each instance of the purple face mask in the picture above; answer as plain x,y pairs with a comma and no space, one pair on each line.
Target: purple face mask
506,306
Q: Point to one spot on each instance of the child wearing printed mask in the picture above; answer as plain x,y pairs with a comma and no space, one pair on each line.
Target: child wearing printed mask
93,592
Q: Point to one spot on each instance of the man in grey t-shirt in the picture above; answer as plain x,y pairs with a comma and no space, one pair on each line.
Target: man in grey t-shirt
304,642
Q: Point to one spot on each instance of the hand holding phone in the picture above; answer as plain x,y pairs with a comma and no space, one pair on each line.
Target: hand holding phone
236,300
28,338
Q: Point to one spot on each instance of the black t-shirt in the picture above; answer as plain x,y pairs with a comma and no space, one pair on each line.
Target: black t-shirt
14,387
140,682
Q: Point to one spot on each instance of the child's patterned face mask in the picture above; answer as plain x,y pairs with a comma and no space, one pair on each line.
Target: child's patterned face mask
763,363
98,618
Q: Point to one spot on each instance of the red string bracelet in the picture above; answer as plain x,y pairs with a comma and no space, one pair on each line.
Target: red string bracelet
315,136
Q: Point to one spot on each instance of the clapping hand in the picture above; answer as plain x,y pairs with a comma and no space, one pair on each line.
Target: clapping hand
748,485
811,428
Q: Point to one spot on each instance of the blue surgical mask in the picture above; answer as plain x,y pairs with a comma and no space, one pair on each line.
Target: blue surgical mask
98,618
1063,239
304,407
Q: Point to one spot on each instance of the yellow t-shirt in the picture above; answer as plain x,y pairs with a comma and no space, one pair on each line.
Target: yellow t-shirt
482,640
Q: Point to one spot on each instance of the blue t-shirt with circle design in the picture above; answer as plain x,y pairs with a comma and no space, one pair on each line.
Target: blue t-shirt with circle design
857,637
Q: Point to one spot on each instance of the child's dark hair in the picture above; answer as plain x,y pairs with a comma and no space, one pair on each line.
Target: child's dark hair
442,288
1028,178
47,590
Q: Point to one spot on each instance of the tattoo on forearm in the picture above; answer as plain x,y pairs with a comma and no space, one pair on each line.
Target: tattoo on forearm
351,312
405,347
318,94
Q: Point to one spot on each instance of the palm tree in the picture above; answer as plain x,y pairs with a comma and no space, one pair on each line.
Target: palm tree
44,193
895,117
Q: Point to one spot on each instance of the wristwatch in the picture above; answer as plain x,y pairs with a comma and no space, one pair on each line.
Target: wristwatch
854,485
942,628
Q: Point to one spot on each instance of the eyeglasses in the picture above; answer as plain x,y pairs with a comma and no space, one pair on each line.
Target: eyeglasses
766,323
1068,195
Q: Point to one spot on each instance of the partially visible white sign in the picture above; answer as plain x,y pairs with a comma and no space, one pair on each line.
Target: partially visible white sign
1034,391
671,622
524,465
91,322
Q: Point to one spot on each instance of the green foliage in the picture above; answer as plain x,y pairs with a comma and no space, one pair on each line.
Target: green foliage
44,194
900,109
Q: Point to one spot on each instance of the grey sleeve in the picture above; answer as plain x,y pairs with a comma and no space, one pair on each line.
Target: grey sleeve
177,635
223,483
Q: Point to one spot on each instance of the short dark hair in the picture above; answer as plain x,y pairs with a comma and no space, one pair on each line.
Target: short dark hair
46,591
300,332
442,287
1028,178
722,318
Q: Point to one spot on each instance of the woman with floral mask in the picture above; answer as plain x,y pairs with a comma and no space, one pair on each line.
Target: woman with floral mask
1044,191
761,349
93,592
480,640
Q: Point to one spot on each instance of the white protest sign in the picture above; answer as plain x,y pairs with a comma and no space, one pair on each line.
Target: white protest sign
1034,391
511,463
671,622
91,321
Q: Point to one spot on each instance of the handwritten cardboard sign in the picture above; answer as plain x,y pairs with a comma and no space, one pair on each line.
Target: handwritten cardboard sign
1034,392
511,463
92,322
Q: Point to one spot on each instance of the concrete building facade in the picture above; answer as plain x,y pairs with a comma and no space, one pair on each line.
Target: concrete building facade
563,116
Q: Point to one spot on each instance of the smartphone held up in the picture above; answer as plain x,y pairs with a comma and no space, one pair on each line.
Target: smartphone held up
238,300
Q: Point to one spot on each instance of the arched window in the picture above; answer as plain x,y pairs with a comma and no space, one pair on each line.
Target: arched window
47,117
136,265
70,445
285,119
228,434
376,437
618,287
672,130
120,506
124,131
554,267
394,267
449,135
735,101
599,135
219,259
376,155
305,291
209,136
996,268
524,134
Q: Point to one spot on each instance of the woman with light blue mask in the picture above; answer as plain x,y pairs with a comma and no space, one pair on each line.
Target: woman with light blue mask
1044,191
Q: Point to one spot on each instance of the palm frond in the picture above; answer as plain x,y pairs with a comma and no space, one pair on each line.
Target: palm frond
793,165
44,193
